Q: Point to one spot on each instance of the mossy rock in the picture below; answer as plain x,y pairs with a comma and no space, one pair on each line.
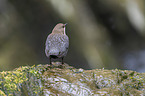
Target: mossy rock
64,80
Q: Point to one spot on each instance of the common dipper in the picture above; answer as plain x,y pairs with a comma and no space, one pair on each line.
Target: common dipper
57,43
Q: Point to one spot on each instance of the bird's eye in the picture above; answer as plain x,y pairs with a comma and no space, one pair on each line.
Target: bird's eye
63,26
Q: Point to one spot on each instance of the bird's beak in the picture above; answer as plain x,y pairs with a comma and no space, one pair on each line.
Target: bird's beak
65,24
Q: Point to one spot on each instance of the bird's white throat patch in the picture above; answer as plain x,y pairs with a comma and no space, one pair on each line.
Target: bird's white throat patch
64,31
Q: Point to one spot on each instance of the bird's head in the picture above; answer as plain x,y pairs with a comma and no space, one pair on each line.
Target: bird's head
59,28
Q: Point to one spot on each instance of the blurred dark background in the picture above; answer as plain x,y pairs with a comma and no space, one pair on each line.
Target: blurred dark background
103,33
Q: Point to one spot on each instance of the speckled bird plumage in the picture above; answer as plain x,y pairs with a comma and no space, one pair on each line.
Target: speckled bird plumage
57,43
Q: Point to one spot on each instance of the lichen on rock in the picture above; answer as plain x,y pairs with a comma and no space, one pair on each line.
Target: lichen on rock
64,80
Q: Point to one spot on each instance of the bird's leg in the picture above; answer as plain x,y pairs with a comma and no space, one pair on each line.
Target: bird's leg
50,60
62,60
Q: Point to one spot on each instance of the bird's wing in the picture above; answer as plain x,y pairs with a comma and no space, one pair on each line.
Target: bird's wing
47,45
65,42
64,45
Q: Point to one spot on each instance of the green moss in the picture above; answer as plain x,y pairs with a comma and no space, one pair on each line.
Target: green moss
2,93
12,82
65,80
